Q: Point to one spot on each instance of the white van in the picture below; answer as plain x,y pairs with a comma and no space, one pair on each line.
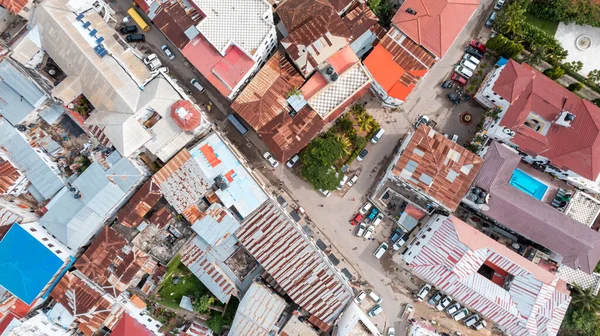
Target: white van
467,64
479,325
463,71
378,219
377,136
369,232
423,292
381,250
342,182
197,85
375,311
375,297
471,320
461,314
361,296
361,229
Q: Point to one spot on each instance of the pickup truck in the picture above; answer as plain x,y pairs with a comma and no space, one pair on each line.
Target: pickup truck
152,62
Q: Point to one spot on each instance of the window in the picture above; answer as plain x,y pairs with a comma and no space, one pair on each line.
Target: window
50,245
58,251
32,230
418,243
487,96
534,124
501,98
423,236
44,239
493,101
429,230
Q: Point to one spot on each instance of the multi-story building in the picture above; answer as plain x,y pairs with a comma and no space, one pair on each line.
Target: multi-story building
552,128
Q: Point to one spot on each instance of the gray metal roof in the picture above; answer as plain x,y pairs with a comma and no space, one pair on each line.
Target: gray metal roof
258,312
217,225
46,180
20,96
73,221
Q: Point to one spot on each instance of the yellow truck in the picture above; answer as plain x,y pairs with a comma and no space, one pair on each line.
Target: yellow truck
138,19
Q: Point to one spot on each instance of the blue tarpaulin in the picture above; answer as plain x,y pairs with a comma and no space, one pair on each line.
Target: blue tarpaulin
502,61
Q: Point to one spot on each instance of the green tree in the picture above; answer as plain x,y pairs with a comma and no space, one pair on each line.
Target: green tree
585,299
344,142
510,20
216,323
597,103
555,72
318,158
202,303
324,178
537,55
496,42
594,76
575,66
574,87
358,109
365,122
344,124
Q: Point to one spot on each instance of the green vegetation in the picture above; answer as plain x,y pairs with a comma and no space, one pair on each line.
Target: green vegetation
340,145
581,317
574,87
582,12
384,11
548,26
504,46
554,72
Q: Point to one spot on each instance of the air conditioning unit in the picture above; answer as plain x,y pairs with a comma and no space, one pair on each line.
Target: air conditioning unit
508,132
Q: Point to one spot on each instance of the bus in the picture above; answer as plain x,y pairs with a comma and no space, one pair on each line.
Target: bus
237,124
138,19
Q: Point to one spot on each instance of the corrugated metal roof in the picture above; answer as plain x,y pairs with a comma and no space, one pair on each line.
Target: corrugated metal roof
73,221
132,214
20,96
521,298
47,181
295,264
216,225
258,312
205,268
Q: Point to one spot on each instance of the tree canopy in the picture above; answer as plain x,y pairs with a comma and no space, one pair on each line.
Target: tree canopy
318,158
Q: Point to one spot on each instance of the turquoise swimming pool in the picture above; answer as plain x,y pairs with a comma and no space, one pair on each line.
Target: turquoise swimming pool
528,184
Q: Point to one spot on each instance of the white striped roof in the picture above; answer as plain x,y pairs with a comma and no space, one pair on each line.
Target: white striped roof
533,305
297,266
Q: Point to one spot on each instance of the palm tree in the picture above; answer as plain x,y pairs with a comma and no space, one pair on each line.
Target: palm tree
365,122
585,299
344,142
358,110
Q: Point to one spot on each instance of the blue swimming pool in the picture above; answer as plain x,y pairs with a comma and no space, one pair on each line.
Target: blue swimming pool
528,184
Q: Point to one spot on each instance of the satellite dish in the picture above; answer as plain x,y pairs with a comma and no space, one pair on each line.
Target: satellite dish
484,207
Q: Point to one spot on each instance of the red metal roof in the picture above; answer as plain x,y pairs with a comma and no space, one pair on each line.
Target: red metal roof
449,253
437,23
224,73
132,214
438,166
297,267
185,115
8,176
575,148
173,20
14,6
360,19
128,326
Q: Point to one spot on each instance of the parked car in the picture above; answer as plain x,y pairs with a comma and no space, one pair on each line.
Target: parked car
152,62
361,296
454,98
422,294
471,320
434,299
422,120
353,180
167,52
135,38
474,51
325,193
396,234
478,45
453,308
378,219
375,297
397,245
463,71
381,250
128,30
342,182
391,331
292,161
357,219
197,84
369,232
365,208
163,70
363,153
408,309
148,59
471,59
375,139
499,4
374,212
468,65
460,314
274,163
447,84
445,302
375,311
460,80
479,325
361,229
491,19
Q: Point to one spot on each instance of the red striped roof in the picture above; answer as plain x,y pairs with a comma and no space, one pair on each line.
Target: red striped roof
14,6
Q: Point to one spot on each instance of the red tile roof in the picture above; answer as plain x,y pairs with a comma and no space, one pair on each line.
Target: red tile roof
575,148
14,6
111,263
339,5
438,166
128,326
224,73
132,214
437,23
88,306
185,115
8,176
397,67
265,97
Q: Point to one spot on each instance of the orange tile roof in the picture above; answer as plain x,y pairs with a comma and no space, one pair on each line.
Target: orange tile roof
14,6
210,155
437,23
138,302
438,166
397,67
